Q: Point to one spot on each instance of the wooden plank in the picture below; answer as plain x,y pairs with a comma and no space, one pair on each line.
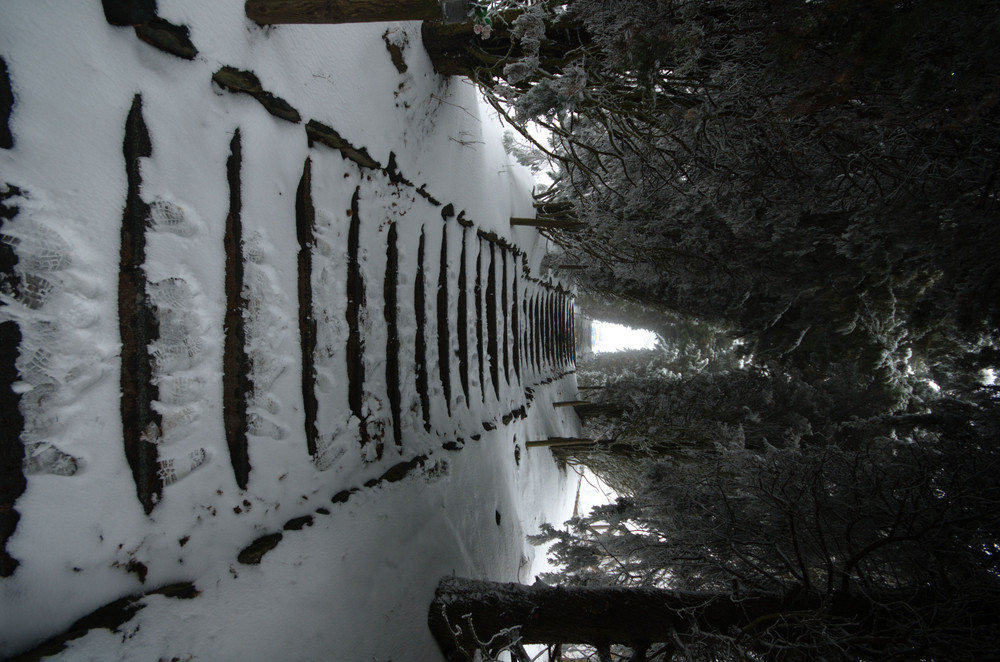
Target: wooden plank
570,403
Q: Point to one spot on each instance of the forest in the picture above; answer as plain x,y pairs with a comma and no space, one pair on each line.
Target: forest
800,199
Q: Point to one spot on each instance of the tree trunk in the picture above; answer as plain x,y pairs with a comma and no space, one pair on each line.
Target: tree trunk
273,12
467,613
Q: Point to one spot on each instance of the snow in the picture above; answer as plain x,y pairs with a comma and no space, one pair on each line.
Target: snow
593,492
356,584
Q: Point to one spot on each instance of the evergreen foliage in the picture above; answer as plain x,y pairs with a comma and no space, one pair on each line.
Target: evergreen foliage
800,199
819,178
904,523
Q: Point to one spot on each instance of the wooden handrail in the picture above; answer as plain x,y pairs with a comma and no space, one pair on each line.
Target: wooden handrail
548,223
558,441
276,12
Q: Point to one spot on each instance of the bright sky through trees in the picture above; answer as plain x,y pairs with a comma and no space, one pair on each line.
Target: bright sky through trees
608,337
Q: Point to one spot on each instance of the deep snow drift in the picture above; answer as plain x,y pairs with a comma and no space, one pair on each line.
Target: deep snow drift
367,525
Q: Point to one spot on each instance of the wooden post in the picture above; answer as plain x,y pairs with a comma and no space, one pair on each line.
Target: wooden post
274,12
570,403
547,223
559,441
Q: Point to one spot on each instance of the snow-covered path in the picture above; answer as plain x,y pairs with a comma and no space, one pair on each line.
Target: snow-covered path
292,255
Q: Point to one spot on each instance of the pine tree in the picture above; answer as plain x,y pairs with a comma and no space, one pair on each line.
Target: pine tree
881,551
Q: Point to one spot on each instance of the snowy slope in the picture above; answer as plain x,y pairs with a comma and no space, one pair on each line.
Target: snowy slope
354,582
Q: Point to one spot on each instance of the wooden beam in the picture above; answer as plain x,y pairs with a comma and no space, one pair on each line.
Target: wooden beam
548,223
559,441
570,403
553,207
277,12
